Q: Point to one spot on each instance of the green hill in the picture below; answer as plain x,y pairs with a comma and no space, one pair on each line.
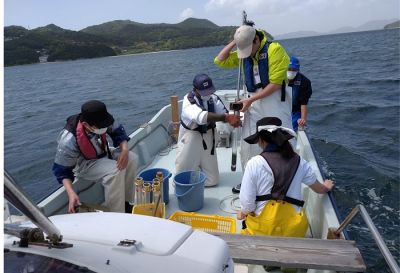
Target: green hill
133,37
53,43
24,46
197,23
395,24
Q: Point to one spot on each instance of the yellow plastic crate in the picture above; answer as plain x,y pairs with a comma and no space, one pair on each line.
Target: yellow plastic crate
207,223
148,209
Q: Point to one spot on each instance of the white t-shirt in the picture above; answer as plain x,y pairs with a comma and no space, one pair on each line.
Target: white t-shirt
258,179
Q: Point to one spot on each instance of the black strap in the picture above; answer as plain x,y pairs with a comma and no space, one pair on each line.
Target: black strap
288,199
204,143
283,91
213,147
210,126
108,151
244,226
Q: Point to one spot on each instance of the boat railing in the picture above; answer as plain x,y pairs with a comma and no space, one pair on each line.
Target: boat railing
19,200
394,267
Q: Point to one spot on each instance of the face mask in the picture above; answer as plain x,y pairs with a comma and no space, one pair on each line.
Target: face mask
291,75
206,98
100,131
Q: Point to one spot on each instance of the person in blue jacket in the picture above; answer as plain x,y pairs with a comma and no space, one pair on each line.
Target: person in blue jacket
83,153
301,93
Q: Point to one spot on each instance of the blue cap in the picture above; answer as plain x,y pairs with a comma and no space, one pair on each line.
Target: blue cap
204,84
294,63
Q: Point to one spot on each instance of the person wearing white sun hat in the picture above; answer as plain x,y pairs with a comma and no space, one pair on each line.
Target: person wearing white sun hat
271,192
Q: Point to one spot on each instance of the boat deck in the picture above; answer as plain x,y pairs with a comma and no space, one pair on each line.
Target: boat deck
217,199
254,250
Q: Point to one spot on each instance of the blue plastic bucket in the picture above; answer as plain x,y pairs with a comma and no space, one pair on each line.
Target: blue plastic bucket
189,189
150,174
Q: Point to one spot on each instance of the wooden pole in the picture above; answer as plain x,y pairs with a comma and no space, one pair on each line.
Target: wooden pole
175,117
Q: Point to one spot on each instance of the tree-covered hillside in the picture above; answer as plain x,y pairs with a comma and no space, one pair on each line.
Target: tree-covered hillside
395,24
52,43
133,37
22,46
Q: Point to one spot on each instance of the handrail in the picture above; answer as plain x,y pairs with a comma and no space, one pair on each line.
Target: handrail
15,196
394,267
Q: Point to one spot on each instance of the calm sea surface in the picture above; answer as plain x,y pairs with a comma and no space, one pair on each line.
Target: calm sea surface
354,115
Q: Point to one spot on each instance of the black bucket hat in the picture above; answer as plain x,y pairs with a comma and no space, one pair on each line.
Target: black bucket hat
270,128
95,113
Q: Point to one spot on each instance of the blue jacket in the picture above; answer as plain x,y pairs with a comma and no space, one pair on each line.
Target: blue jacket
301,91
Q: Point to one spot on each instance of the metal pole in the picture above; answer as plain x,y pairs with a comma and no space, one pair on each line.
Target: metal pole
394,267
15,196
237,113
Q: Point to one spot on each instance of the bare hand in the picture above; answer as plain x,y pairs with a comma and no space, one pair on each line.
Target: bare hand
241,215
329,184
122,160
301,122
246,104
73,201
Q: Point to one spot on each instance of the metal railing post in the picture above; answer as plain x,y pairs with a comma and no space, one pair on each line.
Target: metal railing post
394,267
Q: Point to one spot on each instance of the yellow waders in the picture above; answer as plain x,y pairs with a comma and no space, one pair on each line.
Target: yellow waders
278,218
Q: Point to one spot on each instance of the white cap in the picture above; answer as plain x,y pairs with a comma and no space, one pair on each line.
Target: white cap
244,37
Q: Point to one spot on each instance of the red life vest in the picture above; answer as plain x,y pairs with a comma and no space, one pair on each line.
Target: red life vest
82,139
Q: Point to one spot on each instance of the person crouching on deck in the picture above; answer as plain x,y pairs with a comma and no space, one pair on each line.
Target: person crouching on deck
201,109
270,196
83,149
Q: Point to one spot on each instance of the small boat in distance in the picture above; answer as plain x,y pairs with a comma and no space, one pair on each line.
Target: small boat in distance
116,242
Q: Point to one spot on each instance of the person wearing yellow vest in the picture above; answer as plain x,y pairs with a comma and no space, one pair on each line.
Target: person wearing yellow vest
270,196
265,65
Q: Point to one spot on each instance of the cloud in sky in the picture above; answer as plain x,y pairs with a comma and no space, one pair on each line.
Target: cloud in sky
186,13
282,16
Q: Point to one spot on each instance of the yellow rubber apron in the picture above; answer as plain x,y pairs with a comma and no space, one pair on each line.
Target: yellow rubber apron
278,218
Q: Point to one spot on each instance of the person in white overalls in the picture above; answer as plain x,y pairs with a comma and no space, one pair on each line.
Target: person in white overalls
264,65
201,109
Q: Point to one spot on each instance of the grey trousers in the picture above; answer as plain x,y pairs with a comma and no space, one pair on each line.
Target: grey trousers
118,185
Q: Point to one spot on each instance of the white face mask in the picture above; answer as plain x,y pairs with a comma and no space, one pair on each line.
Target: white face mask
206,98
291,75
100,131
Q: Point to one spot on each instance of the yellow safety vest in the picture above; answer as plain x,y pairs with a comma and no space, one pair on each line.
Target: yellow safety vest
278,61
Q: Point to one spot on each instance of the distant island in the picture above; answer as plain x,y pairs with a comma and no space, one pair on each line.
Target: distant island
53,43
393,25
371,25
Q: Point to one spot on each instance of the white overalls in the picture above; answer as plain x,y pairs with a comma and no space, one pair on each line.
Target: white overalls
191,154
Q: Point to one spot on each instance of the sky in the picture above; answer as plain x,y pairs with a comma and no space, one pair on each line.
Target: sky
275,16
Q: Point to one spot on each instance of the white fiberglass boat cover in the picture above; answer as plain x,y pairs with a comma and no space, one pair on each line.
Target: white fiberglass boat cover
160,245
